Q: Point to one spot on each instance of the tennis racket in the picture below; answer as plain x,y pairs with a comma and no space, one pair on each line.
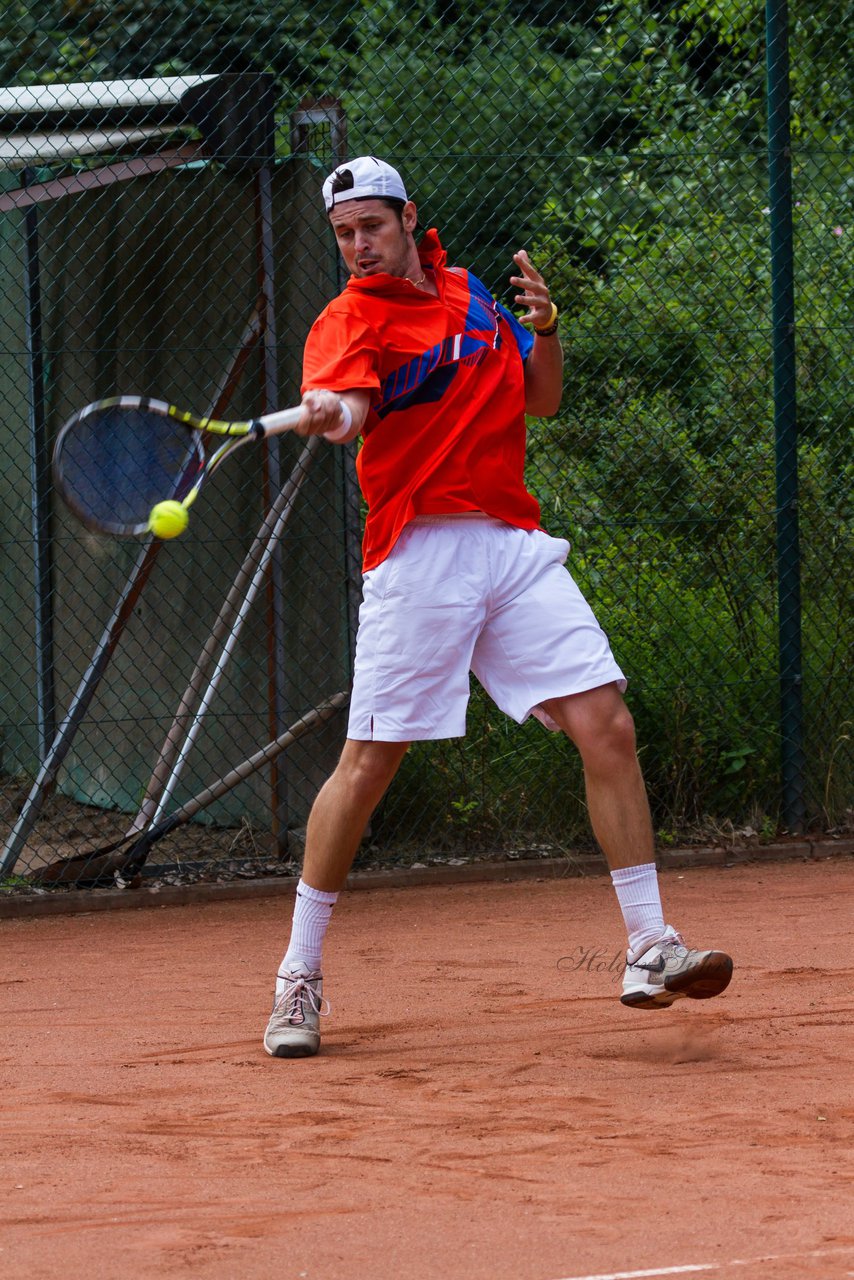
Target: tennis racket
118,459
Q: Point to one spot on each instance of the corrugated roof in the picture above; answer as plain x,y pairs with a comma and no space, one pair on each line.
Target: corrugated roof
89,96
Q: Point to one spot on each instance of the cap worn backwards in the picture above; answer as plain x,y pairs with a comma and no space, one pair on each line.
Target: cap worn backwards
364,178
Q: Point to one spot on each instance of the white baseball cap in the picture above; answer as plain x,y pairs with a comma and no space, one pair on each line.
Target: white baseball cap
364,178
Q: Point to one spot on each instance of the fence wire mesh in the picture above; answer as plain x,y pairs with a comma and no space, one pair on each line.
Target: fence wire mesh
162,234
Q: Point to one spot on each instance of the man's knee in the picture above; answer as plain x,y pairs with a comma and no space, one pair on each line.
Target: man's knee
617,731
367,768
598,722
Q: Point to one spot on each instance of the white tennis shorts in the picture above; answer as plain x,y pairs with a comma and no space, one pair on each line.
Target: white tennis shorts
460,594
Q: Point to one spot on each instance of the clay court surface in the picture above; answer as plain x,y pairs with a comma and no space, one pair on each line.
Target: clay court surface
483,1107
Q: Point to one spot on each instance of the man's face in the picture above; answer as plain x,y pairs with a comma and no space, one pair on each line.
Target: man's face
372,239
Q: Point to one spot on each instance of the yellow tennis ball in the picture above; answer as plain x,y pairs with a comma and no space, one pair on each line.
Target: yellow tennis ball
168,519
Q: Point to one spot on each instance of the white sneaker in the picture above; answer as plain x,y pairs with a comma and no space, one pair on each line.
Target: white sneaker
294,1027
668,970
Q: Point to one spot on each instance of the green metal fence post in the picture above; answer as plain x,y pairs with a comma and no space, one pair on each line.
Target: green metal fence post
39,484
785,413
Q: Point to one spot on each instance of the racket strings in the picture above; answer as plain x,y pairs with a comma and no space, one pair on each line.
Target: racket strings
116,464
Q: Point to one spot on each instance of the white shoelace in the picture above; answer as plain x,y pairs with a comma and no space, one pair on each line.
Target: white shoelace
298,990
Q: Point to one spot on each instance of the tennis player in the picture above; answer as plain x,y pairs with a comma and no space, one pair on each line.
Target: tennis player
418,359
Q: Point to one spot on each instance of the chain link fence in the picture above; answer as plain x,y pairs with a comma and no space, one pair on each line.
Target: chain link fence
679,173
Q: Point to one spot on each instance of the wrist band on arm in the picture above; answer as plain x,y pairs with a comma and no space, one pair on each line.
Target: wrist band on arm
546,330
340,433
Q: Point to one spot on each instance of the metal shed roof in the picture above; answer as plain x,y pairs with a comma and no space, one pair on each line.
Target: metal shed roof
89,96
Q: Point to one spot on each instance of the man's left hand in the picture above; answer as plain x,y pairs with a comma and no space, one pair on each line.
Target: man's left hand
534,292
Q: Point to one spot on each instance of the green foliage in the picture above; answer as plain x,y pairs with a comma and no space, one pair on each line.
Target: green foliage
501,787
660,469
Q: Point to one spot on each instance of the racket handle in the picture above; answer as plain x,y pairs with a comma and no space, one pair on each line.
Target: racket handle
272,424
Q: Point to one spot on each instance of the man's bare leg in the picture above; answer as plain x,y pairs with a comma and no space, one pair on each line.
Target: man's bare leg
601,726
343,808
659,967
336,825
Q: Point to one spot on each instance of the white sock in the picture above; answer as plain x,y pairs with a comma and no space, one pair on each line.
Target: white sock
312,911
640,903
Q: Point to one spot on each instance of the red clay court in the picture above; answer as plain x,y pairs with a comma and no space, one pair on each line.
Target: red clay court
483,1107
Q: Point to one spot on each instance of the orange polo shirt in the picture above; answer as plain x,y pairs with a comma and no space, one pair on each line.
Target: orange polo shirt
446,429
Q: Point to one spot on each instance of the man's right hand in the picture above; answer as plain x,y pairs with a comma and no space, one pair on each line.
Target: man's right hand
323,414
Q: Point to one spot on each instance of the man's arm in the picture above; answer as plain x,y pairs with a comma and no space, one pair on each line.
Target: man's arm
544,366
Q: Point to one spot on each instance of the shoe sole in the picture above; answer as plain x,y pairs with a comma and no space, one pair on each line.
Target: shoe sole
702,983
291,1050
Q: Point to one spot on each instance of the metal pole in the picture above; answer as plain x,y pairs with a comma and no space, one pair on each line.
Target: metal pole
785,414
59,748
39,484
227,628
328,113
277,657
350,486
